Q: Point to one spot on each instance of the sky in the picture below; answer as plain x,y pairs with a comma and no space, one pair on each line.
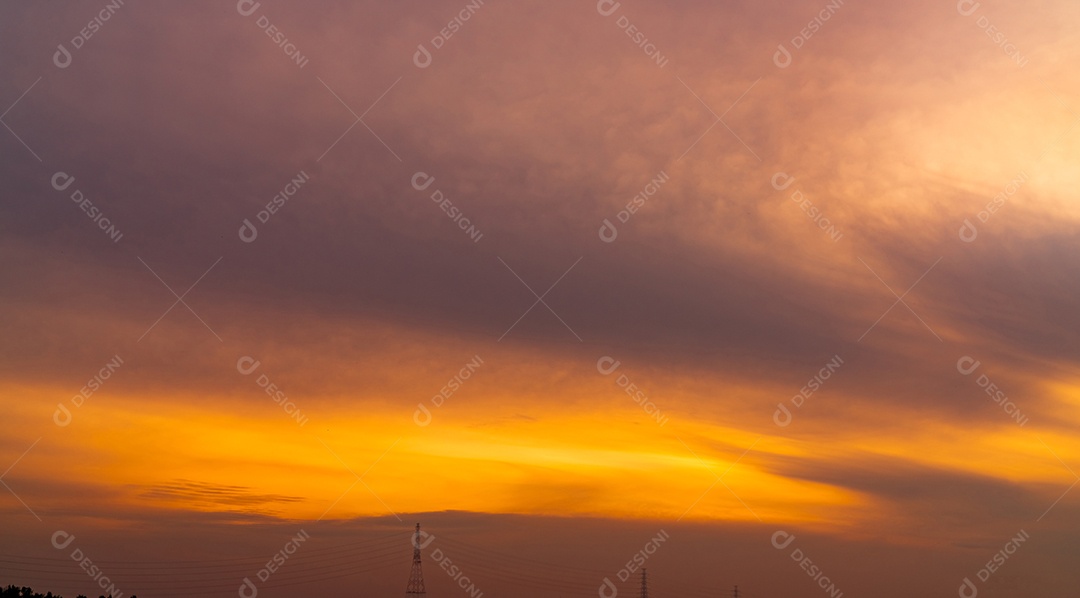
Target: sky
771,294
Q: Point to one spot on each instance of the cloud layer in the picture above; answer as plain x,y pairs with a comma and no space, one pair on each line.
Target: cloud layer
303,259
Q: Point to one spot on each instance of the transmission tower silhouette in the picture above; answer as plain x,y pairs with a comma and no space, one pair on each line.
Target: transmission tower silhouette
644,585
416,577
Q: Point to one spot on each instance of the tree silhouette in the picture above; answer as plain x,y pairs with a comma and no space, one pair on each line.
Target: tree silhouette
13,591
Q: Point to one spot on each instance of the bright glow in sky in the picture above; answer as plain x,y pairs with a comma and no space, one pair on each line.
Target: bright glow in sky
648,232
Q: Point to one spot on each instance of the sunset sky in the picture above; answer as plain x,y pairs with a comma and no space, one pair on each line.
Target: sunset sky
551,278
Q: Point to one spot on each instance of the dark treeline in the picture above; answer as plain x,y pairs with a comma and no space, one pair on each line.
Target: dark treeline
16,592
